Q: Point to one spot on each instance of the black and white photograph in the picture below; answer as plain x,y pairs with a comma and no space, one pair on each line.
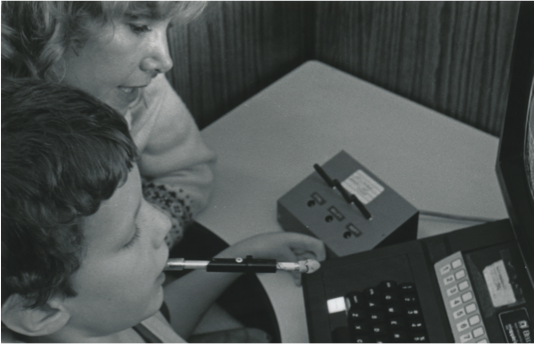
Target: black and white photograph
267,171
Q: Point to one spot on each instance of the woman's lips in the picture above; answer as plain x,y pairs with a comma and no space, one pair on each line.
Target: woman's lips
129,93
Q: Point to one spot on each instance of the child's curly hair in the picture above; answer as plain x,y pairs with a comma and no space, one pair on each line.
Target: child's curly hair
63,153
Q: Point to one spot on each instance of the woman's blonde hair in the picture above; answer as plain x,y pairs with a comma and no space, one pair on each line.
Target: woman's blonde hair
36,34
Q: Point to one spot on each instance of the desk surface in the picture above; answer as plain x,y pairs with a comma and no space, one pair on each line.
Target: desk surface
269,143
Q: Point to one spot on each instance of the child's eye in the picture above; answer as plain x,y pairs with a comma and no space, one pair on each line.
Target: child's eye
134,239
139,28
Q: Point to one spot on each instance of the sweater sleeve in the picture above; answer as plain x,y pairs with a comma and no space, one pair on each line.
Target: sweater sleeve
176,165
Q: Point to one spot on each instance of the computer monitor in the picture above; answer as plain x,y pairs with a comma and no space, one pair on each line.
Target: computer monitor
514,165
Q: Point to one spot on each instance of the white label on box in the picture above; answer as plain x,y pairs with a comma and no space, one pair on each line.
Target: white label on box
501,291
363,186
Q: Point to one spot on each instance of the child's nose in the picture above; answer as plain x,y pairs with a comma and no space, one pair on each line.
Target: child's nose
162,226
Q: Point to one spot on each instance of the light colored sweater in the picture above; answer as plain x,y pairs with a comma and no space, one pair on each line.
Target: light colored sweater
176,165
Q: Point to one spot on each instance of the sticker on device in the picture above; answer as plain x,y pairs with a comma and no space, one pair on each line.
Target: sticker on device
363,186
500,289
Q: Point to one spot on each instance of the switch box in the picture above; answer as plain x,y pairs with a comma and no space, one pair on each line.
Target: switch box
315,208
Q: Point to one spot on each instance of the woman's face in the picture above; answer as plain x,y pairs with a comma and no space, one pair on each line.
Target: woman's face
118,61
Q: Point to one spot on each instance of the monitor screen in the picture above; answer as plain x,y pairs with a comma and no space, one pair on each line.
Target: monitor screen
514,165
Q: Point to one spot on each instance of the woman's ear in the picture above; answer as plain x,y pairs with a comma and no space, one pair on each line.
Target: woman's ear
40,321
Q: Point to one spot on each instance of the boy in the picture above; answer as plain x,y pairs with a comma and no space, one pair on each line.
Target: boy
82,251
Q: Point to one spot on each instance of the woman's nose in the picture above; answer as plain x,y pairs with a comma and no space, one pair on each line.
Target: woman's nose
158,59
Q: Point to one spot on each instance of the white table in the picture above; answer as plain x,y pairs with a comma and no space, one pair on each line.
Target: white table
269,143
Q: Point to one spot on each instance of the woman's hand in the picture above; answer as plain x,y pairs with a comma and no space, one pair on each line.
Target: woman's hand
281,246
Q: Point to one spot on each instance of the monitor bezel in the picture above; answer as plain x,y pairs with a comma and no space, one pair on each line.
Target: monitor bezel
510,165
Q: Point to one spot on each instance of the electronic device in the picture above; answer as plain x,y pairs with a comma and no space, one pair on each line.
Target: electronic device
471,285
348,207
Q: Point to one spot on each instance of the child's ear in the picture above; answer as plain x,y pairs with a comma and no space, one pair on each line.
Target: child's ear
40,321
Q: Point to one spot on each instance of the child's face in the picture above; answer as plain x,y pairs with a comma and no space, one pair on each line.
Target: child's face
120,279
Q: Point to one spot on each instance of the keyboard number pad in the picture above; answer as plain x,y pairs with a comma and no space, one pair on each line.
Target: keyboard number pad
388,312
459,299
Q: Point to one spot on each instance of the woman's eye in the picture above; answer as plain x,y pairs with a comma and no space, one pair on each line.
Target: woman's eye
139,28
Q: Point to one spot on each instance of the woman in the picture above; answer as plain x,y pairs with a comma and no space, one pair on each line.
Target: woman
118,52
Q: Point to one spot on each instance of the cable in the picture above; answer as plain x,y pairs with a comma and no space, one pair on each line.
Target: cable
456,217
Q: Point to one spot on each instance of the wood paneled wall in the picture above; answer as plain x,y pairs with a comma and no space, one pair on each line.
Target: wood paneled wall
450,56
453,57
234,50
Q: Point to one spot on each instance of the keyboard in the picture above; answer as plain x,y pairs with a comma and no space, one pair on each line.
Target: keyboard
388,312
459,300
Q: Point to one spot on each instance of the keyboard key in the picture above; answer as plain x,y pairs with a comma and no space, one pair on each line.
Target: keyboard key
448,279
445,269
376,316
354,299
388,286
360,339
399,336
463,325
463,285
396,323
456,264
336,305
413,311
460,274
360,328
471,308
407,287
419,338
357,314
378,329
478,332
466,337
373,304
452,290
409,299
389,297
474,320
382,339
393,310
459,313
455,302
371,292
467,297
416,324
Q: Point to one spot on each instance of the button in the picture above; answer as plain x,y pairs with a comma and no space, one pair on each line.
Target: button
390,297
360,328
478,332
459,313
377,316
409,298
455,302
396,323
463,285
413,311
456,263
371,292
399,336
407,287
463,325
466,337
445,269
354,299
460,274
449,279
416,324
468,296
316,197
357,315
354,229
336,213
452,290
470,308
474,320
419,338
378,329
387,285
336,305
